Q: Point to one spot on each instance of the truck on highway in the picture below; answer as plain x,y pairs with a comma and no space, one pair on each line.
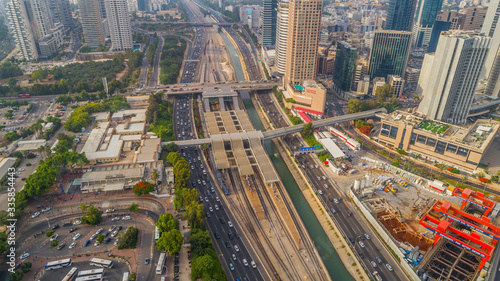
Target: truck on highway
377,276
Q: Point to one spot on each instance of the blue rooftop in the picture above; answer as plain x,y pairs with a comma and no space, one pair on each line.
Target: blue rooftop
298,87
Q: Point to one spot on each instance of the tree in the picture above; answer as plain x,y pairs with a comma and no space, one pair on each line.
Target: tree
39,74
134,208
441,167
83,207
170,241
4,246
200,241
143,187
167,222
16,276
173,157
92,217
202,268
26,267
354,106
171,147
54,243
100,238
155,175
384,92
50,233
64,144
308,130
129,239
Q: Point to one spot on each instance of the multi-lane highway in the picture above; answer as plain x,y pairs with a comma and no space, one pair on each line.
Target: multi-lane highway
369,249
154,80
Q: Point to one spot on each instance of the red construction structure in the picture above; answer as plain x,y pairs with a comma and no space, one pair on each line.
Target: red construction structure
468,240
474,197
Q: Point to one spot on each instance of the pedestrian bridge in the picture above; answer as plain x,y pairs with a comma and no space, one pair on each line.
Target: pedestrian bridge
292,129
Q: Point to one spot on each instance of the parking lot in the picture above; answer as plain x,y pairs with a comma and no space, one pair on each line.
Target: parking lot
110,274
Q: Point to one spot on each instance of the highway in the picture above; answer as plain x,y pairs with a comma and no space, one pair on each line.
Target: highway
155,74
185,130
347,221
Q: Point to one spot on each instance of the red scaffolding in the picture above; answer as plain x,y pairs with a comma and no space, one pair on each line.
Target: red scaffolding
473,197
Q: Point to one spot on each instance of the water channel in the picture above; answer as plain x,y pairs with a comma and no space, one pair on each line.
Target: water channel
330,258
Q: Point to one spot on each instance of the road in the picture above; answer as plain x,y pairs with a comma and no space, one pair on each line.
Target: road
344,217
155,74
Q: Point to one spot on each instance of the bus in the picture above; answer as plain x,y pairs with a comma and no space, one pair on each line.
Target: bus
57,264
161,264
95,277
101,262
157,234
71,274
126,276
91,272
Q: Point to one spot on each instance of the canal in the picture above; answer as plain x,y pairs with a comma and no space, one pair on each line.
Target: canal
330,258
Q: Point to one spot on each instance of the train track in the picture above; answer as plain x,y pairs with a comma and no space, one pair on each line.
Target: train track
238,186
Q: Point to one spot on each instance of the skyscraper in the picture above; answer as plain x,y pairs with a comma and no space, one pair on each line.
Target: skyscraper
400,15
302,40
492,65
142,5
425,17
102,9
452,75
41,15
21,29
281,35
119,24
61,11
345,65
90,17
389,53
269,23
437,28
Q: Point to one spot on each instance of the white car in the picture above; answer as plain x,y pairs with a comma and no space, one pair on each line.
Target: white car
76,236
115,219
216,207
367,236
72,245
126,218
254,265
99,230
35,215
361,244
116,242
77,222
112,228
97,243
230,223
245,262
110,210
54,237
236,248
114,234
23,256
217,199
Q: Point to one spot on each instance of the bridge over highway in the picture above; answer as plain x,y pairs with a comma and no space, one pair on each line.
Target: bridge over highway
179,89
208,24
293,129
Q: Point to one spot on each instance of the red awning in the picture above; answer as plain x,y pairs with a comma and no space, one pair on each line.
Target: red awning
308,110
305,117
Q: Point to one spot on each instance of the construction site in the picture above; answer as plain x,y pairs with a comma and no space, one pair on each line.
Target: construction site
416,214
254,191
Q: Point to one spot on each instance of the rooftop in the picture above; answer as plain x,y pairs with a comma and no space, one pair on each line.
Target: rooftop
223,91
149,150
108,150
95,138
30,145
130,127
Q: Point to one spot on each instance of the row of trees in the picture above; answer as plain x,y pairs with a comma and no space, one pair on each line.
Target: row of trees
205,262
384,98
8,69
171,59
159,115
171,239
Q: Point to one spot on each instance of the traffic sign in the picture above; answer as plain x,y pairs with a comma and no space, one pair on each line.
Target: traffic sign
318,146
307,148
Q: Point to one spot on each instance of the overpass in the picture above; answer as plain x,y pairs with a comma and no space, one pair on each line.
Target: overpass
181,89
292,129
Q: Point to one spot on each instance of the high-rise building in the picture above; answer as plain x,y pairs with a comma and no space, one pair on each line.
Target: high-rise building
41,15
119,24
281,35
455,19
345,65
437,28
61,11
427,11
90,17
389,53
20,27
269,23
451,75
142,5
397,84
400,15
492,65
102,9
302,40
474,18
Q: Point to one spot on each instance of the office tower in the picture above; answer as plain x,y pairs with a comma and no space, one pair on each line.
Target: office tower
220,4
492,65
102,9
397,84
61,12
90,17
389,53
427,11
269,23
41,15
119,24
450,75
474,18
345,65
455,19
142,5
20,27
437,28
400,15
302,40
281,36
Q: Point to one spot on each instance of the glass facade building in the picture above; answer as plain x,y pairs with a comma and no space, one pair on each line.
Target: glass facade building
389,53
400,15
269,23
345,65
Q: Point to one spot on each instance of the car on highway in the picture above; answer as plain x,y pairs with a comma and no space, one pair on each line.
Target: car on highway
388,266
336,200
236,248
146,261
320,192
217,199
217,235
361,244
211,209
367,236
86,243
227,244
234,257
230,223
379,260
222,221
216,207
374,264
231,267
254,265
